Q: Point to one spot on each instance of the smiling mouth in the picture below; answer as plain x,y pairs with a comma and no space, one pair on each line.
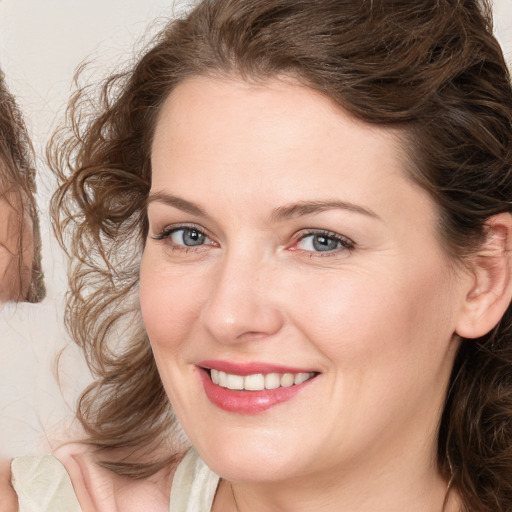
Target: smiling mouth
258,381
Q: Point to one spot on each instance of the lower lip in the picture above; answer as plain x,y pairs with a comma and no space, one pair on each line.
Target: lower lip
248,402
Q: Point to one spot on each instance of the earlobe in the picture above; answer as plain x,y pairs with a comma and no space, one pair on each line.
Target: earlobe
491,291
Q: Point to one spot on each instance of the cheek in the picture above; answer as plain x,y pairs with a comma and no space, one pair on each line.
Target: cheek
359,320
169,303
384,342
336,307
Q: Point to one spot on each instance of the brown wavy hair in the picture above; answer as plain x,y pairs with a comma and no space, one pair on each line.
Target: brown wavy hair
433,69
17,188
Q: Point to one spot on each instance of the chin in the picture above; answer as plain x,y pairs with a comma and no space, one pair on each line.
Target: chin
261,460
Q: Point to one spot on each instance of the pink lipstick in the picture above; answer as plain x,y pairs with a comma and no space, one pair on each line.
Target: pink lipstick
251,388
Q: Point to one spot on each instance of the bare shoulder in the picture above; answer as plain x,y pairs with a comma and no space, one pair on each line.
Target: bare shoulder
8,498
99,489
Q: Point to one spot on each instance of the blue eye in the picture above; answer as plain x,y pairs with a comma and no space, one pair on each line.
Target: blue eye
323,242
183,237
187,236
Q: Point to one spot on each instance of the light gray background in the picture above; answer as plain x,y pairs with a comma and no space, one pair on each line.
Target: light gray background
41,43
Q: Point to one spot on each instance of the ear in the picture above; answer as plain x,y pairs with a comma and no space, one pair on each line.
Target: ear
491,287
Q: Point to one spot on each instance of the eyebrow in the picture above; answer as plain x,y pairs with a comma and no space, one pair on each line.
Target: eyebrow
176,202
303,208
288,211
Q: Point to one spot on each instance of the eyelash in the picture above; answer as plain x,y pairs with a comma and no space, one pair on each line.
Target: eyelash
167,233
345,243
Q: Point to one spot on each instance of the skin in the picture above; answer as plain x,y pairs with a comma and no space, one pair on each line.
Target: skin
377,321
8,499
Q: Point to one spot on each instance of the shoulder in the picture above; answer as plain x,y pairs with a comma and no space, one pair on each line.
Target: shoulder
42,482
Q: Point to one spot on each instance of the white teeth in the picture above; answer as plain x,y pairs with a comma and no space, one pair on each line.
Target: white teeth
272,381
287,380
254,382
301,377
235,382
258,381
223,379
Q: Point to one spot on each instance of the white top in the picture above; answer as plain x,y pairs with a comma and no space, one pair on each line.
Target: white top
43,485
193,486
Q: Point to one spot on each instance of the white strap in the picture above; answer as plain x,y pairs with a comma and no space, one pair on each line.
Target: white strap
194,485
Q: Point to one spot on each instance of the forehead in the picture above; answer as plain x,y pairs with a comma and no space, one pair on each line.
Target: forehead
273,107
275,136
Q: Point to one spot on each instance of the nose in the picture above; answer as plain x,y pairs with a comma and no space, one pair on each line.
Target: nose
242,304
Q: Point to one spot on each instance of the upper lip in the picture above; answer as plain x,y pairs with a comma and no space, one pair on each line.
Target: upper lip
251,368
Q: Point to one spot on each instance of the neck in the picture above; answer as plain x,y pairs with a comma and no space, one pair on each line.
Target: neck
245,498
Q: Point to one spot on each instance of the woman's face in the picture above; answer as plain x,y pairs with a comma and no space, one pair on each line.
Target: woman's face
16,234
287,244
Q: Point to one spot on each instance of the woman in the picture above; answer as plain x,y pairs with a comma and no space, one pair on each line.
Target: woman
307,205
20,274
